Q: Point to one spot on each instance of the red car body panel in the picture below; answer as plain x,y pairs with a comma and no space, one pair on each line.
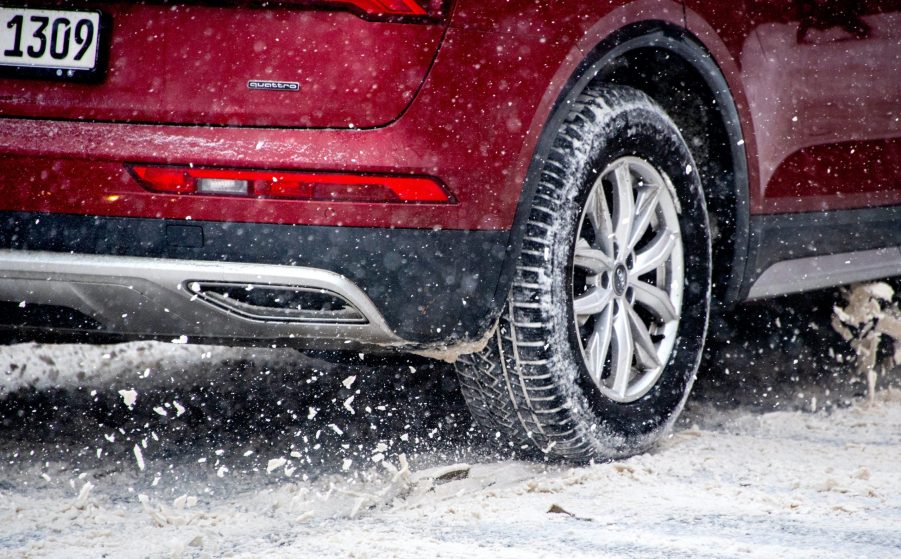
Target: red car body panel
190,64
819,87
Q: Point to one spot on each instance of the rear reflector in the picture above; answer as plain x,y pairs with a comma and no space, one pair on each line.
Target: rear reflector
330,187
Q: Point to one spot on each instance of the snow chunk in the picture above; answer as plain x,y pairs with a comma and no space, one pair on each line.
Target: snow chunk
880,290
349,381
275,464
185,501
129,397
81,502
347,405
139,457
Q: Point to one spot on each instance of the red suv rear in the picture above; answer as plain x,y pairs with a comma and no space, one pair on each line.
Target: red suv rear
554,191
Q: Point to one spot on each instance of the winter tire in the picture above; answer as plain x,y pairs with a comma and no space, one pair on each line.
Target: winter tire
597,347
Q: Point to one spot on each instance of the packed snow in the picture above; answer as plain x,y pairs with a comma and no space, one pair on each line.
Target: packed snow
160,450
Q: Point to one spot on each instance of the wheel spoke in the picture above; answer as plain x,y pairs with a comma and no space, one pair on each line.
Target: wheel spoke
592,302
624,200
646,351
591,259
622,353
655,253
655,300
599,343
599,216
645,205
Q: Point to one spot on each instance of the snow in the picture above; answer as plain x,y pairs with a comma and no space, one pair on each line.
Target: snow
777,484
258,459
139,457
129,397
275,464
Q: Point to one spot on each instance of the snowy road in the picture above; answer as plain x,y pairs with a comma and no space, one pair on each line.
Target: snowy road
155,450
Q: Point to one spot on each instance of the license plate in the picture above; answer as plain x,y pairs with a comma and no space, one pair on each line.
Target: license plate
50,43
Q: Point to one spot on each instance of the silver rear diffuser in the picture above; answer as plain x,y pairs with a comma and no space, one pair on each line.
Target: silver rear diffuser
163,297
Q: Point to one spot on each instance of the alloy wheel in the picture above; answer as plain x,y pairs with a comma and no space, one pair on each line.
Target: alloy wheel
628,274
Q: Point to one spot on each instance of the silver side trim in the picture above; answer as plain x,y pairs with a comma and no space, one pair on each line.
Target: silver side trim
817,272
150,296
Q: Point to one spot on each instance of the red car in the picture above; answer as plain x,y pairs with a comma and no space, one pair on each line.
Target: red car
551,193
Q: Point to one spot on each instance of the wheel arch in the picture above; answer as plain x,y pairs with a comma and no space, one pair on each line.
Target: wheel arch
672,67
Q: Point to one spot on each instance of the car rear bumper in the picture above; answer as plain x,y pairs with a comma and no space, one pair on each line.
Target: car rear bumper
163,297
166,278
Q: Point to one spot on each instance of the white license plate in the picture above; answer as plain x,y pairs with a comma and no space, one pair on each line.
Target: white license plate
60,42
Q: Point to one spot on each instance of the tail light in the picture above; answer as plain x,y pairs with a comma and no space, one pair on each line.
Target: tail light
383,8
331,187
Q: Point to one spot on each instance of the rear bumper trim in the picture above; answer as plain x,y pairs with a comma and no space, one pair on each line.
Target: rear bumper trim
152,296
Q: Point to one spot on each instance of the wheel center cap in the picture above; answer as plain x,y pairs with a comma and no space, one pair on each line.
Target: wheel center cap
620,279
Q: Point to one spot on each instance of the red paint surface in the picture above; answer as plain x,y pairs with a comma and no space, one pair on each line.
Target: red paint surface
819,87
473,123
191,64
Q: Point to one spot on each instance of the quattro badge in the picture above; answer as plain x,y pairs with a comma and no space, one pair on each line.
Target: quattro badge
268,85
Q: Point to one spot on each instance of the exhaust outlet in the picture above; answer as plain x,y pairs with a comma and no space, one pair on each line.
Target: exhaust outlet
277,303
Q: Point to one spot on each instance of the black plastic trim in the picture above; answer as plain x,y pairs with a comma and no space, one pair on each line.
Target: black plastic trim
781,237
430,286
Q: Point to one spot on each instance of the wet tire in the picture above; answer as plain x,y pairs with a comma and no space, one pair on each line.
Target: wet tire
597,347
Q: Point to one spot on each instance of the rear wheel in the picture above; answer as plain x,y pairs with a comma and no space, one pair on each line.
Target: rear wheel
599,342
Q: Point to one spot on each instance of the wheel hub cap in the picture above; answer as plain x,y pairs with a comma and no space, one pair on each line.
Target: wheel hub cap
620,279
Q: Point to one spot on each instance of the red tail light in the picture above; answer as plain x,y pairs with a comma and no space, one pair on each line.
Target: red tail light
291,185
387,7
380,7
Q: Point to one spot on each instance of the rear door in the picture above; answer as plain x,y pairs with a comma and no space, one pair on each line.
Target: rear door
823,85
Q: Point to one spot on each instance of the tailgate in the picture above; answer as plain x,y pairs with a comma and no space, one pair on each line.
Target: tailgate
291,64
